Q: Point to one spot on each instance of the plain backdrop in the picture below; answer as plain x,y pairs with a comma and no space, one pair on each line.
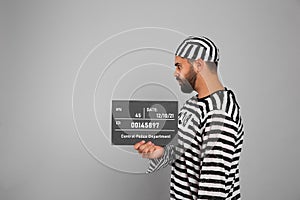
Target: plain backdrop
44,43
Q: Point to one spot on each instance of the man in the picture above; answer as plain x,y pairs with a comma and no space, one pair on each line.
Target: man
205,160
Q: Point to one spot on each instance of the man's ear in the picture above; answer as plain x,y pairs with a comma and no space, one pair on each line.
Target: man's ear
199,64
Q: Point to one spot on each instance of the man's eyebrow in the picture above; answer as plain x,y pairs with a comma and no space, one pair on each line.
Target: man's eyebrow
177,64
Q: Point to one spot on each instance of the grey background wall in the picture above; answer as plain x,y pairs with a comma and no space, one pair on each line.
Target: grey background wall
43,44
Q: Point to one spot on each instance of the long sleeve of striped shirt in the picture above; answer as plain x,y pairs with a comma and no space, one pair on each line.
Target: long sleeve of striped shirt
165,160
205,160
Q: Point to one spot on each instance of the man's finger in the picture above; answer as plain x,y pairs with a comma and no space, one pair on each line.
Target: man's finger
152,149
145,155
144,146
137,145
147,149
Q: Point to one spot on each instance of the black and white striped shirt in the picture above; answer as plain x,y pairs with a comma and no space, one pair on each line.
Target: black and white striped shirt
205,159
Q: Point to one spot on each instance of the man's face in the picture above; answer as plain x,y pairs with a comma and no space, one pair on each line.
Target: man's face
185,74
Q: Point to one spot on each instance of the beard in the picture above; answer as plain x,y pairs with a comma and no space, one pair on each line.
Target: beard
188,83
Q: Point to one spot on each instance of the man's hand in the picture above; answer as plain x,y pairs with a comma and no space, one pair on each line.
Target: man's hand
149,150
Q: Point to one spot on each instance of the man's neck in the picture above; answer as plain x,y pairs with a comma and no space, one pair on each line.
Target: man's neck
209,86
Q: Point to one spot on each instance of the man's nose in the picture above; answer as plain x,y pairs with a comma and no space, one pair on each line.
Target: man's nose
176,74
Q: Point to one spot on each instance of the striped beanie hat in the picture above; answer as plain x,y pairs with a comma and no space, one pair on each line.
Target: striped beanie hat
198,47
